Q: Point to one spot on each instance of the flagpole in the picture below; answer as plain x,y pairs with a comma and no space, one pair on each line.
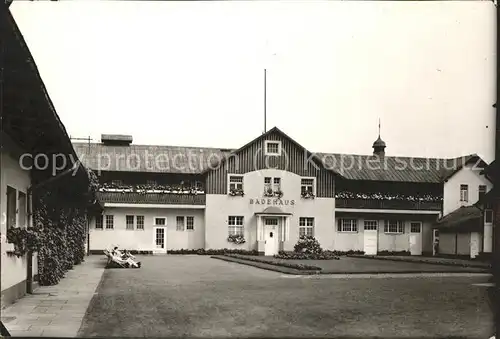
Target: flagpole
265,100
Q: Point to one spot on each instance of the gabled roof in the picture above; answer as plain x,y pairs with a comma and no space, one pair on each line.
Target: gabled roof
277,130
465,218
469,159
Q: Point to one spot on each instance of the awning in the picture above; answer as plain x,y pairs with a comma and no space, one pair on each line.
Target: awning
463,219
272,210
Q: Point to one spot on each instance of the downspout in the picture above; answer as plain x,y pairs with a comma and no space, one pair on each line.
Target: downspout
29,258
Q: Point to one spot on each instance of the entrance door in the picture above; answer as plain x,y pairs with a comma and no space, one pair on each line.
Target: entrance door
370,238
271,236
416,238
160,240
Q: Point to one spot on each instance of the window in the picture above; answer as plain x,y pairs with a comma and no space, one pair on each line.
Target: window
129,221
267,183
273,147
482,191
277,184
99,222
394,226
371,225
307,185
190,223
236,182
347,225
306,226
488,216
415,227
464,193
160,221
11,207
22,209
109,222
235,225
140,222
180,224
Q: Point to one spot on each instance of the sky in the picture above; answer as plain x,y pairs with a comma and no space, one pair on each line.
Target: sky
192,73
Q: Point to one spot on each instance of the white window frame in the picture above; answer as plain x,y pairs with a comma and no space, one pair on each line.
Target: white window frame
190,217
419,225
464,193
229,181
400,226
234,226
304,225
159,217
112,222
488,210
374,223
143,222
267,142
313,184
133,222
353,225
177,225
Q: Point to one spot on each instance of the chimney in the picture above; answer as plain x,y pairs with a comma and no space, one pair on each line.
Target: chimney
116,139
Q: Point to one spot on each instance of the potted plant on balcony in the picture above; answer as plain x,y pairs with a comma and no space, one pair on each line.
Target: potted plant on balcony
236,239
268,192
307,195
236,191
278,193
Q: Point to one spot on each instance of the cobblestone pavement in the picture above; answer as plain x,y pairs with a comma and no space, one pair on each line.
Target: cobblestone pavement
56,311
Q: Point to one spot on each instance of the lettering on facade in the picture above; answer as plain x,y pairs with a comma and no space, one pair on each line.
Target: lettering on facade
276,202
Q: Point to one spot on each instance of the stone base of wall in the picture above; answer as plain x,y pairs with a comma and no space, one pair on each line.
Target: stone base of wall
13,293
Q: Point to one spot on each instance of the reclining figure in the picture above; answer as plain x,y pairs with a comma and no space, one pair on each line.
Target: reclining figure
122,259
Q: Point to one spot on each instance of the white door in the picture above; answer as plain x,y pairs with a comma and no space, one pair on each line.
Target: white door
271,236
416,238
160,240
370,238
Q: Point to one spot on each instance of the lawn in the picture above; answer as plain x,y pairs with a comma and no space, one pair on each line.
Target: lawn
195,296
362,265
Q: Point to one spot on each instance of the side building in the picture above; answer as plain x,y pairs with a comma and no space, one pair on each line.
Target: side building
263,196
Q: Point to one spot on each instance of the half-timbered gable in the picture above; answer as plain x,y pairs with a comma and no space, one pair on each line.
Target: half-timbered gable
290,156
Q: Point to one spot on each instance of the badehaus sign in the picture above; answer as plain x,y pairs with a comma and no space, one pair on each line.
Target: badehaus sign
276,202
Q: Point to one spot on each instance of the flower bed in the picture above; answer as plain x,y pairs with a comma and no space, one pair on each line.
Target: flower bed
325,255
399,253
143,189
222,251
276,262
387,196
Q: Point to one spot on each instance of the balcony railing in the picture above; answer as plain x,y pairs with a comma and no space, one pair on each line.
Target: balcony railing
151,198
388,204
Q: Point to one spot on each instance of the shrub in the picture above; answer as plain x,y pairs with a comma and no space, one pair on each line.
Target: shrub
307,244
203,251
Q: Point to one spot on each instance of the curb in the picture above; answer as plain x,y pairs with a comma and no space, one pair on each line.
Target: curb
486,268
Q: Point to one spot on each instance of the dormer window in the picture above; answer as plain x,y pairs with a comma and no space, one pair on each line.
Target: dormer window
272,147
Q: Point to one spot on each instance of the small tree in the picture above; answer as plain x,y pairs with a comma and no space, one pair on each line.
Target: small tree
308,244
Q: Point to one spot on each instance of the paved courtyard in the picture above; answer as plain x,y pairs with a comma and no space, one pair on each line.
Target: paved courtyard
173,296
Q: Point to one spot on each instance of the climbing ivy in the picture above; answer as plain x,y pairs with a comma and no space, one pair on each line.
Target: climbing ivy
60,211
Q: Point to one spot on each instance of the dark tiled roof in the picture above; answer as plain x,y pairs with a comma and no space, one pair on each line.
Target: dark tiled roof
147,158
463,218
195,160
395,169
151,198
